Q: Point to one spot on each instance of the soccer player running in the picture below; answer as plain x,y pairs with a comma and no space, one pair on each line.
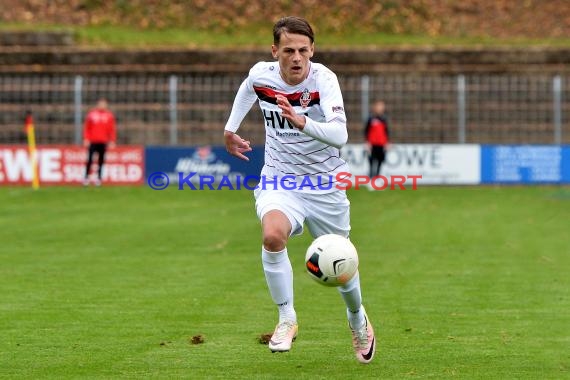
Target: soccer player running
305,126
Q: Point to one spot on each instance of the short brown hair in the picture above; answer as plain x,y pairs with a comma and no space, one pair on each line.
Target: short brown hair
293,25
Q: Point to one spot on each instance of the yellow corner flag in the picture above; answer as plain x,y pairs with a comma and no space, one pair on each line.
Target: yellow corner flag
29,127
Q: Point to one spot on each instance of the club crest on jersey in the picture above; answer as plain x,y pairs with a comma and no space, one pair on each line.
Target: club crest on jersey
305,98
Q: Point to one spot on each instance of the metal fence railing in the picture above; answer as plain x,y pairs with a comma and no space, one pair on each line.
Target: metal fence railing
160,109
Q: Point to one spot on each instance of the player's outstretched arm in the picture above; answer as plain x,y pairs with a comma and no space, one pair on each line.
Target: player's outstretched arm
236,146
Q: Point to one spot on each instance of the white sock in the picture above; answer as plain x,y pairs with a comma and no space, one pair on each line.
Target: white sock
279,277
352,297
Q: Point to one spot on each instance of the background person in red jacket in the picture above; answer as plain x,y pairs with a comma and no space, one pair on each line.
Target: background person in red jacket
99,133
377,137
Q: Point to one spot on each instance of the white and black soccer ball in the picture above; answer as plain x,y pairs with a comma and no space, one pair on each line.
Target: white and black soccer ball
331,260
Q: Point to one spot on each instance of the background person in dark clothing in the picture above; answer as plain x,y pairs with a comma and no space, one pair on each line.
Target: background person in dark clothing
99,132
377,137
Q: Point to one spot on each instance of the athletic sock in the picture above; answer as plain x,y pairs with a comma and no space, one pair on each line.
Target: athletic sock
350,293
279,277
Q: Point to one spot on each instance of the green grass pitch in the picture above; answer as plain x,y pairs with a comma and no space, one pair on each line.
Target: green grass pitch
460,282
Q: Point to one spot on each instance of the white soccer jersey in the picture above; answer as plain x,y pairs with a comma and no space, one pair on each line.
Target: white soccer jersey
308,157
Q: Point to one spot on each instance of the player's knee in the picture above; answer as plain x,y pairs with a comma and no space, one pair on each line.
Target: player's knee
274,240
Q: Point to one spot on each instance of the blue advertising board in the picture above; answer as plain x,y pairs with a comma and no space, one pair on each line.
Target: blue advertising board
525,164
192,163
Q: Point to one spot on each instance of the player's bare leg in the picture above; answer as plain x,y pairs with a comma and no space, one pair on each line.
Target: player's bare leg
279,277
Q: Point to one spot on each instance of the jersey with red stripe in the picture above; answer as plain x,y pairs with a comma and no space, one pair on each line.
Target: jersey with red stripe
290,152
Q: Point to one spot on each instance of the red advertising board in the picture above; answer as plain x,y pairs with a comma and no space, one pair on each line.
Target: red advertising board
65,165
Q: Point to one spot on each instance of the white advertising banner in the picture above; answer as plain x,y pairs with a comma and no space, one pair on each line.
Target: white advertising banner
437,164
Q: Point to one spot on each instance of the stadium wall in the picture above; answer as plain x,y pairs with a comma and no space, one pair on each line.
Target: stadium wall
344,61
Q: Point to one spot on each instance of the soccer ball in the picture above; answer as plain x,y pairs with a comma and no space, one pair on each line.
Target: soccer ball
331,260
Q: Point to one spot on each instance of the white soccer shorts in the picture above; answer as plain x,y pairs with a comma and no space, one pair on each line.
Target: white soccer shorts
327,213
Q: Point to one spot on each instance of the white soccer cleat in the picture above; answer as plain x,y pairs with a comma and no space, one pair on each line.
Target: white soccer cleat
283,336
363,341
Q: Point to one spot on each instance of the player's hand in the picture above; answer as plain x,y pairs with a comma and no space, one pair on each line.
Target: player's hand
236,146
86,143
288,112
112,145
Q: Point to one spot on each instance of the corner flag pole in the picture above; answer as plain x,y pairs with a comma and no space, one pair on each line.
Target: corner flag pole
29,127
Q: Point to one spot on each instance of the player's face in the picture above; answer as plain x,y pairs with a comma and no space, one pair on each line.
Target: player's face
102,104
379,108
293,54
